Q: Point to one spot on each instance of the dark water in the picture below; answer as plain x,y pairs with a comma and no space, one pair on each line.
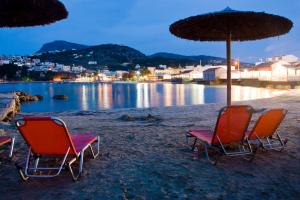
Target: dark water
98,96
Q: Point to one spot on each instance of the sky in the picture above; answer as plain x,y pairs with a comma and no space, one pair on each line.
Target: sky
144,25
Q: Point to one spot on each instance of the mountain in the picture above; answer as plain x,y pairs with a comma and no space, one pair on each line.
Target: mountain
203,58
192,59
60,45
116,57
177,56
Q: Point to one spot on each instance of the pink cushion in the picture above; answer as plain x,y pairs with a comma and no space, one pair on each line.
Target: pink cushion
204,135
4,140
80,141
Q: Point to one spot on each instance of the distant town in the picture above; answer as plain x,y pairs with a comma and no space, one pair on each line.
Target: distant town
278,69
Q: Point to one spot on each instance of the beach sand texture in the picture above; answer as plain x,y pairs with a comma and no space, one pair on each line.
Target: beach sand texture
147,158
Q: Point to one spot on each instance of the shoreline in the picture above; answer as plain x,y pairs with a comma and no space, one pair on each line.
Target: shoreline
266,85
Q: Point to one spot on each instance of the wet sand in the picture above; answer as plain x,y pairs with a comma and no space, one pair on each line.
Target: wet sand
147,158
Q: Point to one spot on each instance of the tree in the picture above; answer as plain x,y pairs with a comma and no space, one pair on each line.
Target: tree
10,72
145,72
128,76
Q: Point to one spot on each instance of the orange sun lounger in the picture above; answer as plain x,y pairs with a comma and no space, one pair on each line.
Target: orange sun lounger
231,126
5,140
49,136
265,130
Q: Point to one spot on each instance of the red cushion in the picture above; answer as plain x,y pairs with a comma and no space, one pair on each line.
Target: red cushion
80,141
4,140
204,135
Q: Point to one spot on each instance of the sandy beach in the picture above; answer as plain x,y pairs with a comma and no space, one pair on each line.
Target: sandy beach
147,158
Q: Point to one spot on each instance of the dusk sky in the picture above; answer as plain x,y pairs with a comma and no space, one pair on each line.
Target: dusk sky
144,25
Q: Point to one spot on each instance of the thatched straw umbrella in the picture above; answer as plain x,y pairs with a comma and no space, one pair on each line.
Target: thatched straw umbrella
231,25
22,13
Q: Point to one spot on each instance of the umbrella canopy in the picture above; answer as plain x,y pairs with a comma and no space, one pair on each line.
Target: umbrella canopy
21,13
228,25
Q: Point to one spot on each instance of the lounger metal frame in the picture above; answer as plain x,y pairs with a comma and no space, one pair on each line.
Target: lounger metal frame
244,148
32,171
221,148
271,143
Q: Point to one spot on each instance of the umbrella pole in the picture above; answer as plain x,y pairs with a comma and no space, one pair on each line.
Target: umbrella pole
228,54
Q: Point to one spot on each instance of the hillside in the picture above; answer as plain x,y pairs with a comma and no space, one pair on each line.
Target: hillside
111,55
60,45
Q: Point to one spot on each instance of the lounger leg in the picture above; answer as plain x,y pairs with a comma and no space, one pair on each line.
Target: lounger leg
75,177
206,152
36,163
12,147
24,176
81,159
282,142
98,148
252,151
261,143
194,144
27,161
187,136
208,157
269,143
81,156
187,139
81,162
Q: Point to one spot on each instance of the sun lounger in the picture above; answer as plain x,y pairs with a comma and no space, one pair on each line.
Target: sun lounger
265,130
49,137
5,140
230,129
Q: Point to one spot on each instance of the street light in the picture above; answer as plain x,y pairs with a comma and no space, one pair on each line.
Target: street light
236,63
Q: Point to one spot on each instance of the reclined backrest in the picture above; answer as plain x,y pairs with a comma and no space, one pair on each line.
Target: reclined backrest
267,123
232,124
46,135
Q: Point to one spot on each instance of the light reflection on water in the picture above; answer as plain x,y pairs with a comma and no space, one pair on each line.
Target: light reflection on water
98,96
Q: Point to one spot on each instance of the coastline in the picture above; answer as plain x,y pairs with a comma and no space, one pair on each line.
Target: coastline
151,153
256,84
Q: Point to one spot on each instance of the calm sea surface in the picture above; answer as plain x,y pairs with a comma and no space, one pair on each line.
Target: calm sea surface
98,96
